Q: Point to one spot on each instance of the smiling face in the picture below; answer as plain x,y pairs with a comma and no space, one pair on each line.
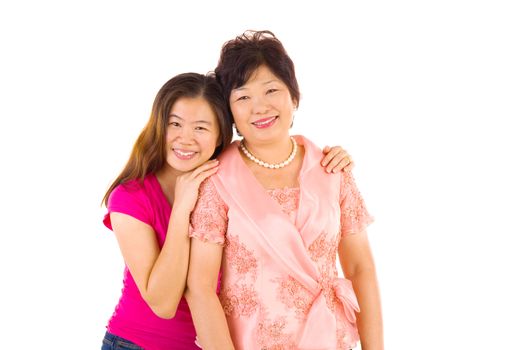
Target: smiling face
192,134
262,108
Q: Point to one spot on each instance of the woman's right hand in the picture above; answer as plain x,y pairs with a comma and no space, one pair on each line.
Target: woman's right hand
187,185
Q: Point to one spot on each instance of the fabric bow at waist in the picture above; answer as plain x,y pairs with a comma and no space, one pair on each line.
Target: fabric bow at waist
320,331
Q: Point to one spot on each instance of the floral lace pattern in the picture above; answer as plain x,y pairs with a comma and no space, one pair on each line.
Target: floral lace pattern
354,215
321,248
240,257
271,335
239,300
239,296
208,222
295,296
343,339
287,197
323,252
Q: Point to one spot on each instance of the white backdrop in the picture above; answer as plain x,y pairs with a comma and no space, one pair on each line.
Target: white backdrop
428,97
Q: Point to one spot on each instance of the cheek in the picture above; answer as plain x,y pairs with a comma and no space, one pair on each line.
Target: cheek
210,142
170,134
288,103
238,111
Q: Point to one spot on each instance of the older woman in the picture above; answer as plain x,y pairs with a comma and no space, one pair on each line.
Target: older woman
273,221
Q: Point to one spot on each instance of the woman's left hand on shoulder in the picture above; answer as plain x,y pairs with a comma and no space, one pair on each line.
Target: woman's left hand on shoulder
336,159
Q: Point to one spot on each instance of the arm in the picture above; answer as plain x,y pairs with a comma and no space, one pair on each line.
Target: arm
336,159
160,274
207,312
358,266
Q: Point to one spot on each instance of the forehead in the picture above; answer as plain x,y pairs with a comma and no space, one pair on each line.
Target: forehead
193,109
262,75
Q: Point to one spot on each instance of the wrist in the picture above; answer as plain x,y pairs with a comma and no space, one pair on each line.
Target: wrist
181,210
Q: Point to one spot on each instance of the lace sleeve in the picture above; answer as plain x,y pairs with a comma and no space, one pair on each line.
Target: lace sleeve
209,218
354,215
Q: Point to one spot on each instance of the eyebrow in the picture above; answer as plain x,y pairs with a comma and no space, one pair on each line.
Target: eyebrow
264,83
195,122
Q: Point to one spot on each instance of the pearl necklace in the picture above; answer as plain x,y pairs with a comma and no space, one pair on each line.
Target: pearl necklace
268,165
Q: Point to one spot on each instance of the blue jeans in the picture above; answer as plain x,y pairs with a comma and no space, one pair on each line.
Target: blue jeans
113,342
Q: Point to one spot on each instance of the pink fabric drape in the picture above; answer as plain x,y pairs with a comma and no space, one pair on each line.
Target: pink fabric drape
257,218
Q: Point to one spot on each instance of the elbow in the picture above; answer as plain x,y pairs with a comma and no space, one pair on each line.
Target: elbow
356,270
164,313
165,309
191,294
364,271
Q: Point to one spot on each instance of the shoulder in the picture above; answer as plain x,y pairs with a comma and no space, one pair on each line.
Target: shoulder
133,189
208,189
131,198
135,195
230,152
312,152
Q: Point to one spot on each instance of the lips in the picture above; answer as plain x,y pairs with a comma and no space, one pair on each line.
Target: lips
265,122
183,154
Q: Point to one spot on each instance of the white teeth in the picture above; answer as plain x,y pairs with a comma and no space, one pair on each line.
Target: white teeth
182,153
264,122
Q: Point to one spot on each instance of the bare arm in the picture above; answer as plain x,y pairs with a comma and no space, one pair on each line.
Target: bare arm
207,312
160,274
358,266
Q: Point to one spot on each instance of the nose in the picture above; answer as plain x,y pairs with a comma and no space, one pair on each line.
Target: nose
186,135
260,105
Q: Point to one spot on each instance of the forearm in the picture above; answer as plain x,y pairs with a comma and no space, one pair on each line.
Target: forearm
209,319
370,324
166,283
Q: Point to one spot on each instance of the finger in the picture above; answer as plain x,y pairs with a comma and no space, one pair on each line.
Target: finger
206,166
326,149
349,167
205,174
331,154
341,166
341,158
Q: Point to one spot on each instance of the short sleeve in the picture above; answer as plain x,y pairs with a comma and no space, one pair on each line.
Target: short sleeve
129,200
354,215
209,218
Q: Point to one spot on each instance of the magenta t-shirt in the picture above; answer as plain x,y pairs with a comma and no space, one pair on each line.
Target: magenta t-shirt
133,319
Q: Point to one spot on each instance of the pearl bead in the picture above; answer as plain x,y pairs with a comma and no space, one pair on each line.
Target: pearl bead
267,165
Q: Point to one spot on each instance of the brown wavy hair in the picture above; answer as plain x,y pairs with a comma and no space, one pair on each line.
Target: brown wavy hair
240,57
148,154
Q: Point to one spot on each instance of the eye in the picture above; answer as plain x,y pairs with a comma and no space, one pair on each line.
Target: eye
270,91
241,98
176,124
200,128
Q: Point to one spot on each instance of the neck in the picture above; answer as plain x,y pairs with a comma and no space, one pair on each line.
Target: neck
167,178
274,152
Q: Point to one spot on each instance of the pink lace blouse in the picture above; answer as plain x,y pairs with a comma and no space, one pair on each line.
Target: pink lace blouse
280,302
